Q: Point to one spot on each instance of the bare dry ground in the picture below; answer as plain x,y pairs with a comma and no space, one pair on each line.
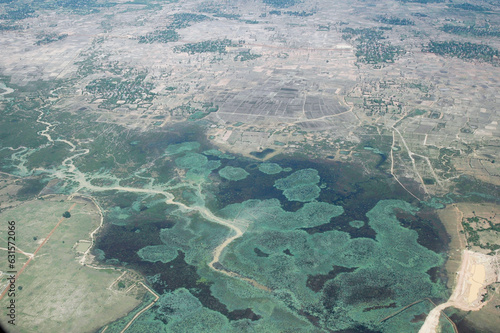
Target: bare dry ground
305,77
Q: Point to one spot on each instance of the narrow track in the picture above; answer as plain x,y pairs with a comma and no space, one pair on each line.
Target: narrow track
36,251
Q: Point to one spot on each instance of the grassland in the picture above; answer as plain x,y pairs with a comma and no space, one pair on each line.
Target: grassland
55,292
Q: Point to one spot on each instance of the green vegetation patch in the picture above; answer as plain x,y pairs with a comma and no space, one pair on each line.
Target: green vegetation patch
298,14
160,36
18,124
43,39
300,185
258,211
270,168
182,147
198,165
389,269
177,305
362,34
281,3
156,253
302,193
219,154
81,7
184,20
357,224
191,160
300,177
373,52
119,215
19,12
48,157
246,55
198,115
9,27
422,1
369,48
393,20
233,173
468,6
481,232
116,91
228,16
471,30
466,51
208,46
199,173
31,188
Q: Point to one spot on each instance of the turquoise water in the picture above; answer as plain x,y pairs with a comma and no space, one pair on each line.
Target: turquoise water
332,247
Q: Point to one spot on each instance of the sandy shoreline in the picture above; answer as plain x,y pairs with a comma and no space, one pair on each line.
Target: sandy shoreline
469,272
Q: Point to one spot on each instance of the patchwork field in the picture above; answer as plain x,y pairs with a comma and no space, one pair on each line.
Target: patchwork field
250,166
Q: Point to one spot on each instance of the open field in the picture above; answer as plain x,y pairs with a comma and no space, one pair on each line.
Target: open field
55,292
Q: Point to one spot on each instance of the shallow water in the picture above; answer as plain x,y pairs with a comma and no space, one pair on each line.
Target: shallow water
340,253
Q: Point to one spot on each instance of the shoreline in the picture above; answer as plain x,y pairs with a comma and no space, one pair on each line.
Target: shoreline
451,218
473,271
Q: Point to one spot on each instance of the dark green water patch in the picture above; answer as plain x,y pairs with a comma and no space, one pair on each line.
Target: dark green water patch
118,198
437,274
431,233
344,184
123,242
348,185
262,154
390,306
30,188
362,288
317,282
466,326
341,223
256,185
178,274
383,158
158,142
260,253
252,167
419,318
